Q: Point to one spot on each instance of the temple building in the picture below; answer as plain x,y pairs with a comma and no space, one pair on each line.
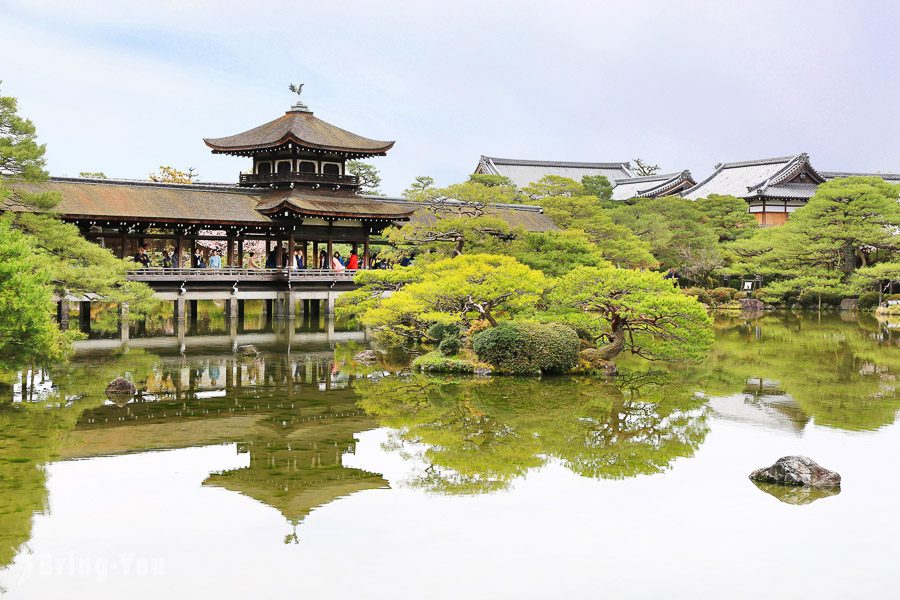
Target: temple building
652,186
524,172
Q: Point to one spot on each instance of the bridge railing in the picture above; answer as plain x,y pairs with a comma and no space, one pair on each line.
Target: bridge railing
151,274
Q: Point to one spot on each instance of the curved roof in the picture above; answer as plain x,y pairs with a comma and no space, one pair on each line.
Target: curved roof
301,128
349,206
752,177
524,172
652,186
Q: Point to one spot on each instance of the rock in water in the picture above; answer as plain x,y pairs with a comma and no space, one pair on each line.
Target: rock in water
366,356
120,387
850,304
248,350
751,304
797,470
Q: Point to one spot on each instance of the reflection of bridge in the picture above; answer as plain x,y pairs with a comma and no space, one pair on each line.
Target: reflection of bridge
183,342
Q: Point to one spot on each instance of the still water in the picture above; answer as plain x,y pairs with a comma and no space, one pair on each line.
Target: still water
305,474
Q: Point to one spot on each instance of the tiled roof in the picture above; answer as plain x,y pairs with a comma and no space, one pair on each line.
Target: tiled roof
529,218
651,186
889,177
787,191
523,172
741,178
301,128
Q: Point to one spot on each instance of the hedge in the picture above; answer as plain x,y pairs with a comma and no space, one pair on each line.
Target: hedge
528,348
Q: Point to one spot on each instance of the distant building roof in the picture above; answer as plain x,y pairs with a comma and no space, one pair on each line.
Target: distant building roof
652,186
889,177
524,172
302,128
528,217
769,177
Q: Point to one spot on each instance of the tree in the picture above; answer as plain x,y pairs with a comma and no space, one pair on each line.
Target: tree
844,226
456,290
644,169
169,174
673,227
597,185
92,175
492,180
419,188
635,311
369,177
728,217
27,331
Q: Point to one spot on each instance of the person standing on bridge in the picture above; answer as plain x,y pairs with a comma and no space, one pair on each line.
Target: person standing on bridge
298,259
353,262
252,263
323,259
166,260
336,263
215,261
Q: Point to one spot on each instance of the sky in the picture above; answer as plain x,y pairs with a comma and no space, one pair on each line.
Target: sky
124,87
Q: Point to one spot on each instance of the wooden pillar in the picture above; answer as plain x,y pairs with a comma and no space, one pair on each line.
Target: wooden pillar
123,321
240,252
328,263
193,252
177,259
304,252
62,314
366,253
265,258
291,262
123,236
229,249
316,255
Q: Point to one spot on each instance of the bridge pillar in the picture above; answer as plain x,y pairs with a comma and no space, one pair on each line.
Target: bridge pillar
62,314
288,305
179,309
329,307
123,322
84,315
231,308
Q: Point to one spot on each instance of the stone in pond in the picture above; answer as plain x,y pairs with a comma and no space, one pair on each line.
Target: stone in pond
366,356
797,470
120,387
752,304
248,350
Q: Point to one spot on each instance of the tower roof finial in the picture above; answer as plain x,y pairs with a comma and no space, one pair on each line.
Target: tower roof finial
299,106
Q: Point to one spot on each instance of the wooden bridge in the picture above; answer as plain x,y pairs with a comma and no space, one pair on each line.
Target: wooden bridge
231,276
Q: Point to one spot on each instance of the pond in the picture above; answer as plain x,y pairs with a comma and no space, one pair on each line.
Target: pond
306,474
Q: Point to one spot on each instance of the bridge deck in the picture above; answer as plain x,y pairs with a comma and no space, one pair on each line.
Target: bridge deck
233,275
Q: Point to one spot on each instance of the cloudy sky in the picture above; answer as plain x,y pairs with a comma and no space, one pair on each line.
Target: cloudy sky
123,87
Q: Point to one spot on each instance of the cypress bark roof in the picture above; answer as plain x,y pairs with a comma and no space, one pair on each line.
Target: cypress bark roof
303,129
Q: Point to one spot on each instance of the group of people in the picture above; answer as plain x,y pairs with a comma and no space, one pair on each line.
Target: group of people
335,262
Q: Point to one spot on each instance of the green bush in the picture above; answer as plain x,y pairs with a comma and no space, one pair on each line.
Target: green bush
435,362
450,345
892,297
721,295
528,348
699,293
868,300
439,331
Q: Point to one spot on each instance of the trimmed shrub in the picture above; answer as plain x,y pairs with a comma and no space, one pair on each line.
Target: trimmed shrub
722,295
868,300
528,348
435,362
450,345
811,300
699,293
439,331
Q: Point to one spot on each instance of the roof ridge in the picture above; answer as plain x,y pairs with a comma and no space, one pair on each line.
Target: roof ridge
556,163
760,161
836,174
661,177
205,186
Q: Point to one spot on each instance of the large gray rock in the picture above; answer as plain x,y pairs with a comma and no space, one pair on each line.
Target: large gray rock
849,304
797,470
752,304
120,387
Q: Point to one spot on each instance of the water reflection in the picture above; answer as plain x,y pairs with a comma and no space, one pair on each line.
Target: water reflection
795,494
296,413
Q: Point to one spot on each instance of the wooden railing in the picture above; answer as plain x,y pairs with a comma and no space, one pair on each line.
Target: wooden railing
297,177
237,275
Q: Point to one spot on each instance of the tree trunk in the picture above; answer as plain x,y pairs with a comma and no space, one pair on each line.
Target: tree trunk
616,343
460,241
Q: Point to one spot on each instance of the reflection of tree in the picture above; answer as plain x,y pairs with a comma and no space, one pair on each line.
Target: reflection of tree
480,435
843,374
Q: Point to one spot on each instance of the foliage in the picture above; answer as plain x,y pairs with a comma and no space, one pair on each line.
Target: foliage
635,311
457,290
867,278
419,188
93,174
449,236
643,169
369,177
597,185
555,252
438,362
727,216
721,295
491,180
168,174
675,230
868,300
374,286
527,348
699,293
27,331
